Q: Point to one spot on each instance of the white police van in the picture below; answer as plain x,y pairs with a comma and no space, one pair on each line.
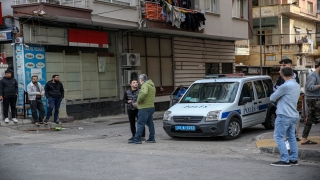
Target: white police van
222,106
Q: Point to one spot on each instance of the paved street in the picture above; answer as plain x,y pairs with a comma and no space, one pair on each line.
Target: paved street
93,150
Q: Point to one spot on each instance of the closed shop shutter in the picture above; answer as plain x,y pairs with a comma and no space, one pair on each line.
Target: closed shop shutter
191,56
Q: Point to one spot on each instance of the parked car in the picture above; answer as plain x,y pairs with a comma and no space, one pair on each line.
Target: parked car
222,106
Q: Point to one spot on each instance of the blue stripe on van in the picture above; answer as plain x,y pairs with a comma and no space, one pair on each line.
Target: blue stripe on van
226,114
263,107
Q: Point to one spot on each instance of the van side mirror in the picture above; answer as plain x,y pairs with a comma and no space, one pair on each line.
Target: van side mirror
245,100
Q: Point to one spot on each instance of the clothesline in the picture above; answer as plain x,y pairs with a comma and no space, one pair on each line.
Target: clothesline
180,8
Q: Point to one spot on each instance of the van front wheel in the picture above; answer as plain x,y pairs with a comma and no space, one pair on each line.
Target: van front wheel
234,129
269,124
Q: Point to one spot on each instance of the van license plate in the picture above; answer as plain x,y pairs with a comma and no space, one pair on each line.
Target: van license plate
185,128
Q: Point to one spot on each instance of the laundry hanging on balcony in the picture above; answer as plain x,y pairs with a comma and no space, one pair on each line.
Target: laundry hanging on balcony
188,18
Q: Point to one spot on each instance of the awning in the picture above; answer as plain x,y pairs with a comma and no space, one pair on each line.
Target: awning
5,34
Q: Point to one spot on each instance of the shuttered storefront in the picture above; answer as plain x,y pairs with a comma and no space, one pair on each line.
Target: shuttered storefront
193,59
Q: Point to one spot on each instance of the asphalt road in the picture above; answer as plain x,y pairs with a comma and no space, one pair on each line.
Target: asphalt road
86,150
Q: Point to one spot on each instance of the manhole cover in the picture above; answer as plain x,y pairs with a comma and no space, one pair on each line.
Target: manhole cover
13,144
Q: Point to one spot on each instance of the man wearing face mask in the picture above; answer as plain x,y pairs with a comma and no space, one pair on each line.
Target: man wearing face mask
55,93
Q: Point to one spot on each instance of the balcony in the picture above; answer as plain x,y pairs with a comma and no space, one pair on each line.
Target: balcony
154,18
64,10
293,48
289,10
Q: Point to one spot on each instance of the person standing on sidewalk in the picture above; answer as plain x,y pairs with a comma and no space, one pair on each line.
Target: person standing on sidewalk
130,97
313,103
287,116
145,103
9,94
35,94
55,93
288,63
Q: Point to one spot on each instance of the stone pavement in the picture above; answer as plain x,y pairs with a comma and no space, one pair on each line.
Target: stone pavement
266,144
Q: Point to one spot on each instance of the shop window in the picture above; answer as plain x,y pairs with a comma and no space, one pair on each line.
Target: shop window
155,60
212,6
212,68
227,68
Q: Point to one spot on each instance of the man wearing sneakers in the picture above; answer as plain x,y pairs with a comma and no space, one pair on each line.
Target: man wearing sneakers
55,93
286,97
35,94
145,104
8,94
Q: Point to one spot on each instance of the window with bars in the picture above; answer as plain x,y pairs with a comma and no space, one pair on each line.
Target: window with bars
227,68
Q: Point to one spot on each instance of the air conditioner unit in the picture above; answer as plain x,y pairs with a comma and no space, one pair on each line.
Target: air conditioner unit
130,74
130,59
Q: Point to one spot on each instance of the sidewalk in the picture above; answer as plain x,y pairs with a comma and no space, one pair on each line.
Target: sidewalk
27,124
266,144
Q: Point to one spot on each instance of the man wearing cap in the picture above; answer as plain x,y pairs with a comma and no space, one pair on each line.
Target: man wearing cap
287,63
8,94
313,102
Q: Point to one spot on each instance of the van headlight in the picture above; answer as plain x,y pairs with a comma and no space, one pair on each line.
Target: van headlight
167,116
213,115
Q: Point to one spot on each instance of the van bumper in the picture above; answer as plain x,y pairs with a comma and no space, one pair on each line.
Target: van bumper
205,129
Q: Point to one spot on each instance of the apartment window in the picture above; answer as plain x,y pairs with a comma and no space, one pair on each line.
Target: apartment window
264,2
310,7
297,35
266,37
212,68
239,8
212,6
227,68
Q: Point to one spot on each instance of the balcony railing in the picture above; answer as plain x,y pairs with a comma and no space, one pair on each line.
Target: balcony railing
306,11
294,48
72,3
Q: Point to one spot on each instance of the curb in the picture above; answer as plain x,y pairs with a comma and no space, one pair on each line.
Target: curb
303,154
126,121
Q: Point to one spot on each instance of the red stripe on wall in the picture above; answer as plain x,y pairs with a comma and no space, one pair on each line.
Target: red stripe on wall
87,36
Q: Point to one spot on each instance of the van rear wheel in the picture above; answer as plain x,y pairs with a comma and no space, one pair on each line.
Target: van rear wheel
234,129
271,119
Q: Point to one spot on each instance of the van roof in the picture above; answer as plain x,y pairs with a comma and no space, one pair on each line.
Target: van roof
232,79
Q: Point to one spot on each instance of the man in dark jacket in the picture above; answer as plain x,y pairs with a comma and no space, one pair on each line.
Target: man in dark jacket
287,63
55,93
8,94
130,98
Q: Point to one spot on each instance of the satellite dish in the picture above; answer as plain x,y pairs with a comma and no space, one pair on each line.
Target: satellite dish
132,59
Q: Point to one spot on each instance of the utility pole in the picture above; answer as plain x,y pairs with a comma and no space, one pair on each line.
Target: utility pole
280,29
260,40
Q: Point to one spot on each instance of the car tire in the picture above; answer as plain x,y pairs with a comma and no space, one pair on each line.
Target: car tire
269,124
234,129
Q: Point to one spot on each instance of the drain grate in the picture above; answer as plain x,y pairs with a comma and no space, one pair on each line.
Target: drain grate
12,144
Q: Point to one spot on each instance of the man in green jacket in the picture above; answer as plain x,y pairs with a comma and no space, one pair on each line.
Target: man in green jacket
145,104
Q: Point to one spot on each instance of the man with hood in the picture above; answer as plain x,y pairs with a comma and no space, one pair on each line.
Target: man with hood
55,93
8,94
145,104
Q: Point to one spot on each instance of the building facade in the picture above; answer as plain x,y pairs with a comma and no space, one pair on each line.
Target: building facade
97,46
288,29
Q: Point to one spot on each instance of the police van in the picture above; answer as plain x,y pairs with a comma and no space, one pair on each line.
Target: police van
222,106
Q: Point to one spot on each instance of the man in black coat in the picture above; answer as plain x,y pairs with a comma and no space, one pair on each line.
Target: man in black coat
130,98
55,93
8,94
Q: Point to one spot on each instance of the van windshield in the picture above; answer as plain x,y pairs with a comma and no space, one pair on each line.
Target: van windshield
214,92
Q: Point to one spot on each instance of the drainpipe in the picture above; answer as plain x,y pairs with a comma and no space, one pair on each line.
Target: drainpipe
140,16
280,29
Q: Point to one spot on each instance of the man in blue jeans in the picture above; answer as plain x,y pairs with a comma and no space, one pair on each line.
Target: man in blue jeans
55,93
287,96
145,104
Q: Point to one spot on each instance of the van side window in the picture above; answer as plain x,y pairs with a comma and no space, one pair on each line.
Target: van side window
247,91
268,86
260,90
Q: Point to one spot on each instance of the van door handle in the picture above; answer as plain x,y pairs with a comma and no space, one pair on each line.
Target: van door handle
255,103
